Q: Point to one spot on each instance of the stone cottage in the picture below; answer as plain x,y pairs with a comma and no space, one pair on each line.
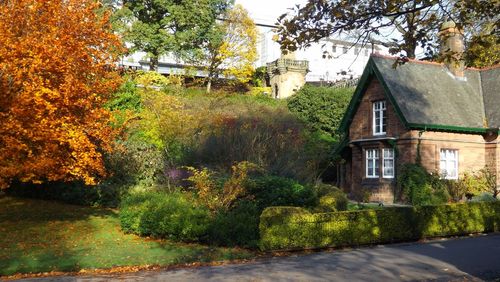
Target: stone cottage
445,113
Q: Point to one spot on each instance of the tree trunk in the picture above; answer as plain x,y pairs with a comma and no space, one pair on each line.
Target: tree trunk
153,63
209,83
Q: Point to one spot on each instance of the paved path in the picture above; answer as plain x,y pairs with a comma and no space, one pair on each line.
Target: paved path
475,258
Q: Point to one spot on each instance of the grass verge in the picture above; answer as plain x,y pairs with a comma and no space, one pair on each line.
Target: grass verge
45,236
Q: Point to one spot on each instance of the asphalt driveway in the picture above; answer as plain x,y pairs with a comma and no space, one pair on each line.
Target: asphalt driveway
473,258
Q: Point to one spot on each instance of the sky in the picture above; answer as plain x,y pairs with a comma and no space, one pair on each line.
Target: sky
267,11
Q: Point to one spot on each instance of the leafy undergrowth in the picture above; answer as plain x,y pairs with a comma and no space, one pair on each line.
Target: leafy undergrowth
45,236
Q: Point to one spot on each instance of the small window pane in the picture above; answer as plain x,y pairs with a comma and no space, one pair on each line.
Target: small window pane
372,163
388,163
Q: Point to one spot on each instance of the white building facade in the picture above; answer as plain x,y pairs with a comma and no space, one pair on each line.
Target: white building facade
330,60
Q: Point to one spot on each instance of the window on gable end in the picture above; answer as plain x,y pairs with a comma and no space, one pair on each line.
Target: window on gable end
448,163
379,118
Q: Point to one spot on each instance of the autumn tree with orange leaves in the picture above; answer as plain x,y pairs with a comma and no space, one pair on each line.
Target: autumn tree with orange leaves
56,72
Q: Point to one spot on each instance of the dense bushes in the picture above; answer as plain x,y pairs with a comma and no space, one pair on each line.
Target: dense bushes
236,227
322,108
291,228
419,187
166,215
223,212
279,191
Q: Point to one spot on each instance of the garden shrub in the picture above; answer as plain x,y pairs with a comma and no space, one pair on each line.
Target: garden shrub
292,228
259,91
484,197
221,196
280,191
419,187
236,227
473,183
164,215
330,198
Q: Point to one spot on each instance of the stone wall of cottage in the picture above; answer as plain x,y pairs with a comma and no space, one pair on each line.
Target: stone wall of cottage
472,149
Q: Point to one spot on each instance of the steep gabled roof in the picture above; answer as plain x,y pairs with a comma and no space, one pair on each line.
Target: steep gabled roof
426,95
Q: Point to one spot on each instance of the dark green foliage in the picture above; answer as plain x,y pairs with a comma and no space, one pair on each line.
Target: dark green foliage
330,198
322,108
126,98
293,228
105,194
418,187
163,215
279,191
236,227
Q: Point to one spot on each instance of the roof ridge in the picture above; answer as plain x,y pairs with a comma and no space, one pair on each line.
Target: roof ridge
379,55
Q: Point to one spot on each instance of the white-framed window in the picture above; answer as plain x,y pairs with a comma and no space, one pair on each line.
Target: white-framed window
379,118
372,164
448,164
388,163
334,49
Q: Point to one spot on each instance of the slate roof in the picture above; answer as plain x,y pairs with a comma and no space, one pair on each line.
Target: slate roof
427,95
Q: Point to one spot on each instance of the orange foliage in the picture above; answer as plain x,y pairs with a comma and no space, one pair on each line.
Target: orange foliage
56,72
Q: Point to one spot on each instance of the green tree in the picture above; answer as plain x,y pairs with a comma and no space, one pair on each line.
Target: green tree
158,27
231,49
400,25
322,108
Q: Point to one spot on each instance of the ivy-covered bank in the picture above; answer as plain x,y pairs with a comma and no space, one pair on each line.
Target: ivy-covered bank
286,228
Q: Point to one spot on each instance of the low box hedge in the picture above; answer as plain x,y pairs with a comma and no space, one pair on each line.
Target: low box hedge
295,228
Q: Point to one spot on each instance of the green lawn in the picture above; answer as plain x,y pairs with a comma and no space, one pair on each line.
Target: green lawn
42,236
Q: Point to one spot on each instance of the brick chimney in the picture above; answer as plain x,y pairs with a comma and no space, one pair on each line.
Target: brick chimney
452,47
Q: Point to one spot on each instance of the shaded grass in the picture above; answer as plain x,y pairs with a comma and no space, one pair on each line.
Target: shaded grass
43,236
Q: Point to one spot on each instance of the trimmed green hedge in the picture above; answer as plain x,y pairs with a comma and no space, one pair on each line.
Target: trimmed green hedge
295,228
